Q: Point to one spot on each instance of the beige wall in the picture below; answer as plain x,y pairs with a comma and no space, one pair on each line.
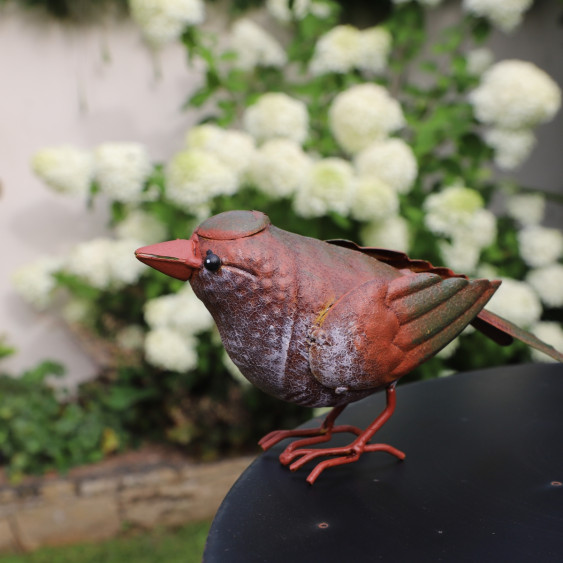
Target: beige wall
58,85
90,85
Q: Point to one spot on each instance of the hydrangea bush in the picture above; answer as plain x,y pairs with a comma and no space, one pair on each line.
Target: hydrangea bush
382,135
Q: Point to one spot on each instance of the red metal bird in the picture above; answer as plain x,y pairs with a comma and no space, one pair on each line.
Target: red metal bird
325,323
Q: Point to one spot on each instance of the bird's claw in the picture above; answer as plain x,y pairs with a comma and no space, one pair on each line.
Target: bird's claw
346,454
315,436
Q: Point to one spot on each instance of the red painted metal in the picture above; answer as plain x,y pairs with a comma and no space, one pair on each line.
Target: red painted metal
350,453
325,323
176,258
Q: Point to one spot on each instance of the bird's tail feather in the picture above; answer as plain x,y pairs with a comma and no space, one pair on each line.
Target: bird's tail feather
503,332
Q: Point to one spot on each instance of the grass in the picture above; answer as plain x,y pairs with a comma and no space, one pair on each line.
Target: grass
183,545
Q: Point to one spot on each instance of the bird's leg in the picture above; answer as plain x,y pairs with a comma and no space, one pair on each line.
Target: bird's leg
322,433
352,452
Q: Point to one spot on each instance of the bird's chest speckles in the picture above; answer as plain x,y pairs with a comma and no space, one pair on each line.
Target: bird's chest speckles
255,317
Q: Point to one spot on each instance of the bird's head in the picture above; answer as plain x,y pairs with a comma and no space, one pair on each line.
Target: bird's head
226,242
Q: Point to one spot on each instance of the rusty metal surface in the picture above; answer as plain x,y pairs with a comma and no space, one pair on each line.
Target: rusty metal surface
323,323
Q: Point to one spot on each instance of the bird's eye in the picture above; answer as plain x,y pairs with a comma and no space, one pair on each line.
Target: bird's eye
211,262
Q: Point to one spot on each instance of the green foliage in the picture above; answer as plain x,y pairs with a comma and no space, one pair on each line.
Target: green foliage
40,430
5,349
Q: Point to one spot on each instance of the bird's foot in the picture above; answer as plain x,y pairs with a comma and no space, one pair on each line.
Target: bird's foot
347,454
316,436
320,434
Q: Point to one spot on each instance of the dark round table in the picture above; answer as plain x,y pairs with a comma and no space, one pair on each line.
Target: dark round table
482,481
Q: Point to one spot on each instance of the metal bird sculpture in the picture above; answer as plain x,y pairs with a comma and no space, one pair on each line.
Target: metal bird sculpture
325,323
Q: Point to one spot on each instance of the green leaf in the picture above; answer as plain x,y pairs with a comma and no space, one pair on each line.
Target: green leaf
118,212
236,81
201,96
428,66
77,286
5,349
46,368
481,29
123,397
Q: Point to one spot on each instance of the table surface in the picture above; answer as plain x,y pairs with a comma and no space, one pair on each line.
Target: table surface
481,481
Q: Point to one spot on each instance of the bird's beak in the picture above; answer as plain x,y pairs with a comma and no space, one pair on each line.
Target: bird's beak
176,258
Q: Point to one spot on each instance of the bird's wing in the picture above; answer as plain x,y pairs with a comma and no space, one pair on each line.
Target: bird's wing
432,311
379,331
498,329
398,259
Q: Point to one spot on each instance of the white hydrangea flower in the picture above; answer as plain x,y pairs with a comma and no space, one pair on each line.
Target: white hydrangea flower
131,337
451,209
255,47
205,137
512,146
77,311
481,229
516,301
159,311
329,186
363,114
391,160
89,261
66,169
321,9
374,49
391,233
345,47
373,200
163,21
34,282
479,60
277,115
235,149
122,170
282,10
515,94
166,348
551,333
123,267
487,271
527,209
279,167
142,226
181,311
461,255
337,51
194,177
540,246
105,263
548,283
449,349
190,314
505,14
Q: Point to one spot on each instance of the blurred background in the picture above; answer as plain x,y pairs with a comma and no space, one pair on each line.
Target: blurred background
432,127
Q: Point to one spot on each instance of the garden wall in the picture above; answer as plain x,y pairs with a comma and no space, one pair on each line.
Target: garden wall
138,491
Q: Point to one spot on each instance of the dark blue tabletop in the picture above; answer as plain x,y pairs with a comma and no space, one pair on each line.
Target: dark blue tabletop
481,482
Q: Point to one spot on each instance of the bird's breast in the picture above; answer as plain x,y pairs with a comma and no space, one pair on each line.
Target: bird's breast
255,316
